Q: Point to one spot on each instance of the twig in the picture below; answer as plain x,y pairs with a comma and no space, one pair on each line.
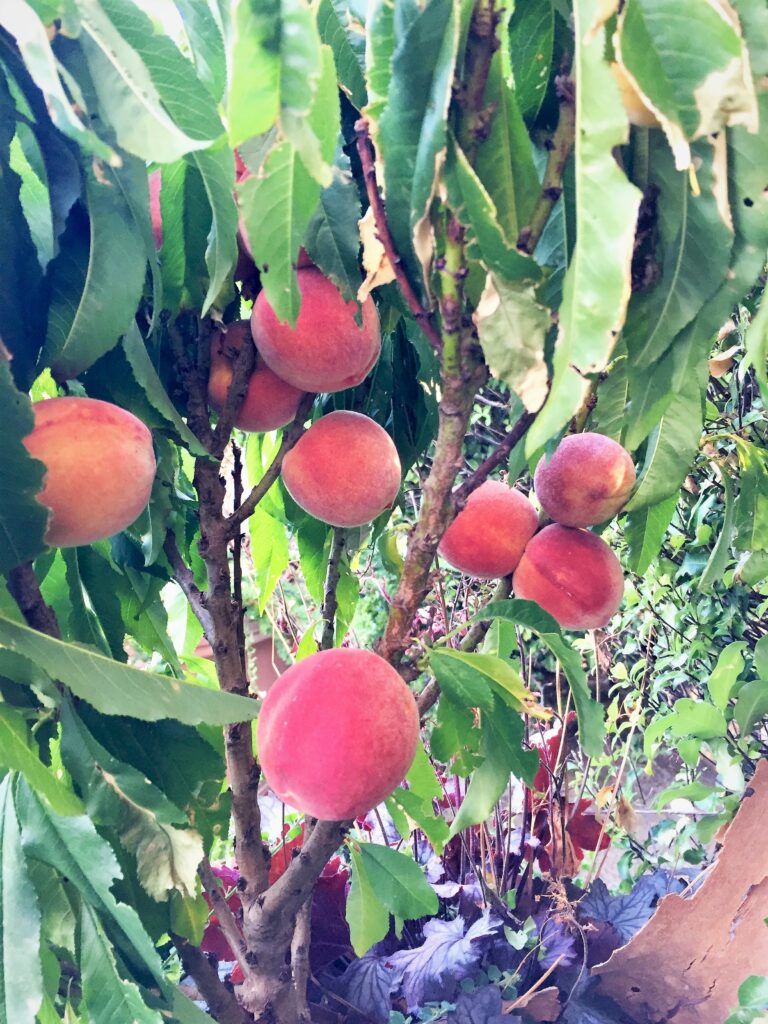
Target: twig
195,381
495,459
242,368
482,43
230,929
25,590
186,580
237,552
291,435
470,642
222,1001
559,147
421,315
330,601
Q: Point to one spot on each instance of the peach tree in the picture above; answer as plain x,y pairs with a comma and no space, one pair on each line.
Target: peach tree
296,300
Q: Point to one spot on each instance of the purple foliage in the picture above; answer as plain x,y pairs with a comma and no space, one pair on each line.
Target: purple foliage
627,913
367,984
557,939
483,1006
447,956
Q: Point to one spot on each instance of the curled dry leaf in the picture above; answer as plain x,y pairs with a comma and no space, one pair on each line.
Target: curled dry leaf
723,361
378,269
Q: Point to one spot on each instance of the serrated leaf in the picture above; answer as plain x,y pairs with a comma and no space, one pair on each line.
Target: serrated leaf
21,983
398,881
366,916
332,240
422,778
270,553
79,332
645,532
596,288
729,667
17,754
421,813
751,508
116,689
207,44
460,681
721,552
187,223
751,705
340,29
217,171
22,519
105,992
531,40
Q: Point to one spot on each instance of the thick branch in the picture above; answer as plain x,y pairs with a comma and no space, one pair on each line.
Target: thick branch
470,642
330,602
222,1001
421,315
494,460
230,929
183,334
291,435
560,147
25,590
482,43
300,960
186,580
242,368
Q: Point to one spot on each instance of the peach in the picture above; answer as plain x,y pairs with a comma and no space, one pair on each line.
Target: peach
155,182
488,537
326,350
587,481
99,463
337,733
269,402
344,471
573,575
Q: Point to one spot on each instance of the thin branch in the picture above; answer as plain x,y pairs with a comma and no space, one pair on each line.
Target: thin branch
482,43
494,460
222,1001
195,383
291,435
186,580
230,929
330,601
470,642
300,959
25,590
242,368
421,315
559,147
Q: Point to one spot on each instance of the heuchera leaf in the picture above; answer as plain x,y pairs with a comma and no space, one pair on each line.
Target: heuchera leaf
627,913
366,984
483,1006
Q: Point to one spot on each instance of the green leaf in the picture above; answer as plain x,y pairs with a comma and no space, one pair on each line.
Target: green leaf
687,718
729,667
721,552
314,541
270,553
588,710
187,224
78,332
756,343
751,510
207,45
20,19
645,532
148,92
332,240
217,170
367,917
422,778
420,811
454,731
399,882
760,656
693,791
22,519
694,90
253,100
460,680
17,754
751,705
340,29
21,983
597,283
74,848
531,41
116,689
105,992
412,128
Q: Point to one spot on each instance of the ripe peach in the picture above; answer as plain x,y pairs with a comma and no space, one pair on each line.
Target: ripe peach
488,537
99,463
269,402
337,733
326,351
587,481
573,575
344,471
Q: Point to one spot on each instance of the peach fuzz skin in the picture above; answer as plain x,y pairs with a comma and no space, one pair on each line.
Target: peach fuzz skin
337,733
344,471
573,575
269,402
326,350
99,463
488,537
587,481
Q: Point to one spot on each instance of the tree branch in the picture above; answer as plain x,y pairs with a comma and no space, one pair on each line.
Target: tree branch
242,367
330,602
230,929
300,959
559,147
186,580
25,590
222,1001
421,315
494,460
291,435
195,381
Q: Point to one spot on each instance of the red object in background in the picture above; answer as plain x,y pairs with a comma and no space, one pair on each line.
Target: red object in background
213,939
548,745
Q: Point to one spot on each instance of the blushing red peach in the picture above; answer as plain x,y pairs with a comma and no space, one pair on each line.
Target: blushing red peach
587,481
573,575
337,733
269,402
488,536
326,350
344,471
99,464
